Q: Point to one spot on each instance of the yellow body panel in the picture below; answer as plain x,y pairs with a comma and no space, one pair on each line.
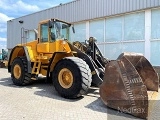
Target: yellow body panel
51,47
43,47
32,49
31,53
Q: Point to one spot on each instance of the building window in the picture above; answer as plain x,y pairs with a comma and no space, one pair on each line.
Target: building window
80,32
155,24
134,26
114,29
155,37
124,34
96,29
101,48
137,47
32,35
113,50
155,53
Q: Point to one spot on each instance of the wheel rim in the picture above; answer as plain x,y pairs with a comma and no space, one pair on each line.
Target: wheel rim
17,71
65,78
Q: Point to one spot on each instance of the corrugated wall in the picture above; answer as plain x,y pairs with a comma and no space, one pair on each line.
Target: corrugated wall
76,11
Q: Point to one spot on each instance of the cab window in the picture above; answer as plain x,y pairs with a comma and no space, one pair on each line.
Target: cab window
44,32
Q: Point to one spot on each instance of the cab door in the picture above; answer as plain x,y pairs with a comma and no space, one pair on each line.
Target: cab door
43,45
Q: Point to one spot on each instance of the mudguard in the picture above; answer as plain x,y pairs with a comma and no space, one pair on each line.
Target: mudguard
19,51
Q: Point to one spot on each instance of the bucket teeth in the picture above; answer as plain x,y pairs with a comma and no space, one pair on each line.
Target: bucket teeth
125,84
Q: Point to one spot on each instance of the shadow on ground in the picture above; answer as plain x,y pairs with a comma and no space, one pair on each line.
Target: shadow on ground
43,89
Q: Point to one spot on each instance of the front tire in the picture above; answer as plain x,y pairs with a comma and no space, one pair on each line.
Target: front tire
72,77
19,72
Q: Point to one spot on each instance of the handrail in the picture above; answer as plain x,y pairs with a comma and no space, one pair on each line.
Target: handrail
24,36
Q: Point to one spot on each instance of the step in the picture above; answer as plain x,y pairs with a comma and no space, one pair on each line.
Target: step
44,66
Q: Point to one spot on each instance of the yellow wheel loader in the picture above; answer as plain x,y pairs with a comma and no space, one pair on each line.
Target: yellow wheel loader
73,67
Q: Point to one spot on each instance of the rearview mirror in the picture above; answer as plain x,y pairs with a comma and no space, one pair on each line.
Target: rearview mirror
73,29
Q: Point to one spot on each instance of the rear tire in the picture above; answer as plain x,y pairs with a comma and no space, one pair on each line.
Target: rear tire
19,72
77,72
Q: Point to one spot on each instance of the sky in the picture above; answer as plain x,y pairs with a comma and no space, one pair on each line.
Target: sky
10,9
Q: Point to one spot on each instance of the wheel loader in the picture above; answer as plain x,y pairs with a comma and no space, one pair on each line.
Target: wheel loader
75,66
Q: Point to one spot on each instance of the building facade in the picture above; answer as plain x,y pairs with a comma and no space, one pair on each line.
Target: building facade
118,25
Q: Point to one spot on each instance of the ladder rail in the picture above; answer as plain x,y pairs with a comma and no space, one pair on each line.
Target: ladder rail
36,67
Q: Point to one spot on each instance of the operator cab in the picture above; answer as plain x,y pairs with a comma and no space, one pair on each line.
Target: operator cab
54,29
51,33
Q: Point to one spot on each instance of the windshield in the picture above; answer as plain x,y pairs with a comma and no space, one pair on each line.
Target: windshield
59,30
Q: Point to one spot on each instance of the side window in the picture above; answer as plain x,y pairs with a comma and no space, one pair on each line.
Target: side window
44,32
65,33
